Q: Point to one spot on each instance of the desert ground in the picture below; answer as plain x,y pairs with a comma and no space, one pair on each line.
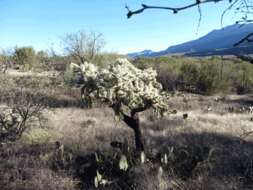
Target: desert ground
207,141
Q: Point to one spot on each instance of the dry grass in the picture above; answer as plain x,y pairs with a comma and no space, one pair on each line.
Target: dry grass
86,130
204,150
22,168
217,132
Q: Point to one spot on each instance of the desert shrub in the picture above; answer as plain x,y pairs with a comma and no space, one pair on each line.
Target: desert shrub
242,77
189,75
18,117
201,75
102,60
25,57
167,75
57,62
143,63
19,109
208,80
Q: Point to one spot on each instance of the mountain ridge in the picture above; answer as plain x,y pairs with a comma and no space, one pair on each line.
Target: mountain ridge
216,42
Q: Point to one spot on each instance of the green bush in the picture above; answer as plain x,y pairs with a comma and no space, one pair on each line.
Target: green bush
167,75
190,73
201,75
208,79
242,77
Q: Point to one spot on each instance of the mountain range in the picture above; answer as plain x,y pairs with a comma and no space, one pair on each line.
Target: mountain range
216,42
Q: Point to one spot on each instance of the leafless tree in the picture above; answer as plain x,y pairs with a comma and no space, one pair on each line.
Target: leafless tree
83,46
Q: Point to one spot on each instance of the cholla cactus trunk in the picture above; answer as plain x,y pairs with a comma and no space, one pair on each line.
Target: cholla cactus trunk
134,123
86,101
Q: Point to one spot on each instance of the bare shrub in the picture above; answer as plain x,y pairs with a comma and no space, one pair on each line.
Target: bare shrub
16,118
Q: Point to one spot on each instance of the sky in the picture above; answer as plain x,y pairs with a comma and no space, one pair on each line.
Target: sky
43,23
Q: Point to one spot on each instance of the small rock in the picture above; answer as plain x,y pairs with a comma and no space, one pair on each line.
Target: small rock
185,116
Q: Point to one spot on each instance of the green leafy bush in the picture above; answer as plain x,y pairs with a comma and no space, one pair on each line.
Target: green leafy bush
201,75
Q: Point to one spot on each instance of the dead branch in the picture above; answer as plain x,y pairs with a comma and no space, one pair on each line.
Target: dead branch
247,58
173,9
247,38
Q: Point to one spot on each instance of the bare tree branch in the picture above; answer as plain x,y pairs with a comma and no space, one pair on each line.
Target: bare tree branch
248,38
83,46
246,58
200,17
227,9
173,9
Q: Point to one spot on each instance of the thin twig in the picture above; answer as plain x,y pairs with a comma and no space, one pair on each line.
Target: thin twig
226,10
200,18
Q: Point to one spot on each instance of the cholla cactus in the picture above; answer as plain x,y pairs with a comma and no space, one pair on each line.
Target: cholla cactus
122,83
126,89
11,124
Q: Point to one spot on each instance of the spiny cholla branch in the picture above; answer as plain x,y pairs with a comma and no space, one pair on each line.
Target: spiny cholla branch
173,9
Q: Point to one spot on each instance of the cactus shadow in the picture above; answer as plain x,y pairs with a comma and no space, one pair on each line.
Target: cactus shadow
216,155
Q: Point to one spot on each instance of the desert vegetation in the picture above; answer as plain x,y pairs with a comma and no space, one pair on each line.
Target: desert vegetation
207,76
84,126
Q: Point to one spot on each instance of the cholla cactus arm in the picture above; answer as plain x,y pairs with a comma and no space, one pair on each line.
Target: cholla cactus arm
74,67
146,106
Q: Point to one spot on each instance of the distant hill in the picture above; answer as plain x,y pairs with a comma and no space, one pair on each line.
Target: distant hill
217,42
140,54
